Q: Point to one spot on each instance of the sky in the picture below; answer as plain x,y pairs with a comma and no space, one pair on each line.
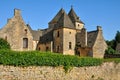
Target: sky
38,13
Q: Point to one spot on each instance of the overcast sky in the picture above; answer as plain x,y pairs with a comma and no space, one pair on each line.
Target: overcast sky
38,13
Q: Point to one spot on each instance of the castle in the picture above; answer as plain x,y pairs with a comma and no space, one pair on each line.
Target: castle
66,34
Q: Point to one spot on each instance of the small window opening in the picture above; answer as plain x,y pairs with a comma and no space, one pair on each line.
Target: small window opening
39,48
58,34
70,45
25,31
47,48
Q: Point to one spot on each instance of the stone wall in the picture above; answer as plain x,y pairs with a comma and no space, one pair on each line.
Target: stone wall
69,36
107,71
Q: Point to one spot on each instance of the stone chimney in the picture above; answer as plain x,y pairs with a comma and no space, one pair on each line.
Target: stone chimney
17,12
99,28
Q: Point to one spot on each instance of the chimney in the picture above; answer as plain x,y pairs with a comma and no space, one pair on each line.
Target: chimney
99,28
17,12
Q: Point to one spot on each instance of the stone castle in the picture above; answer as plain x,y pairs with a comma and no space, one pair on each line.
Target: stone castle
66,34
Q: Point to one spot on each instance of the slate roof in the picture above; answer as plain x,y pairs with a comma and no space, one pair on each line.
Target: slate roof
47,37
73,16
36,34
64,21
91,38
56,18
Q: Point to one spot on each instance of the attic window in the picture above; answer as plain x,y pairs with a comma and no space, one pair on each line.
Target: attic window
25,31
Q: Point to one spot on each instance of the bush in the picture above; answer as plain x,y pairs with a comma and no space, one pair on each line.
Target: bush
110,51
4,44
36,58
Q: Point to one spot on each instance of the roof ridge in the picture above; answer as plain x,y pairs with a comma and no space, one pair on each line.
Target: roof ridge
73,16
65,21
58,15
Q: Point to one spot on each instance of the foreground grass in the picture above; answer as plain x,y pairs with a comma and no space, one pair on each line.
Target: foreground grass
36,58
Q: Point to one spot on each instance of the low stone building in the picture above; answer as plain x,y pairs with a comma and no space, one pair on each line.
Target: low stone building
66,34
20,35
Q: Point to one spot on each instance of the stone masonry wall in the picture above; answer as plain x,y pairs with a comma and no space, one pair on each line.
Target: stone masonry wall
107,71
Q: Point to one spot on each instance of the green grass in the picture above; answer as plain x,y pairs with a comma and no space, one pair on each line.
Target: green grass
36,58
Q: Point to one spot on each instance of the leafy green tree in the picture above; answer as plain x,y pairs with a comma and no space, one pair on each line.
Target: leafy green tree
117,37
110,50
4,44
111,43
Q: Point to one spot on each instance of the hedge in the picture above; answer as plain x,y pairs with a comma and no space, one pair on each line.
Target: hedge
36,58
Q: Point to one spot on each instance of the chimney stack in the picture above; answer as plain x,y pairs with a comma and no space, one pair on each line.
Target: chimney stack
17,12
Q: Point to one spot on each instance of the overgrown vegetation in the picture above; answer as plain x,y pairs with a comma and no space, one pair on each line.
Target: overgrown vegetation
4,44
36,58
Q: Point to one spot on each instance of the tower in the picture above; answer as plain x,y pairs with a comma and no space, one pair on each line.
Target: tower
75,19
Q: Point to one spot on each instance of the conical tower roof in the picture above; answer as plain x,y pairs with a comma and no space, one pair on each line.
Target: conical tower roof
56,18
73,16
64,21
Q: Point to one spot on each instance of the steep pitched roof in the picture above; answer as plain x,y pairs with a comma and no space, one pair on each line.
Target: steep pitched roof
73,16
47,37
36,34
91,38
56,18
64,21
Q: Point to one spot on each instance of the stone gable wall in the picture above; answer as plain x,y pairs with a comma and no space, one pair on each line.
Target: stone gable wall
14,32
99,46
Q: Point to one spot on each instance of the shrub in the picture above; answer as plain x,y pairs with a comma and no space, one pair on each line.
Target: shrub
110,51
4,44
36,58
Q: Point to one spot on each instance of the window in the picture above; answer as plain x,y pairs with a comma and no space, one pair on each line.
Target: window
69,32
58,34
78,25
39,48
25,42
25,31
70,45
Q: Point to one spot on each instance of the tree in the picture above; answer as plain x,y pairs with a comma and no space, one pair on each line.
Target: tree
4,44
117,37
